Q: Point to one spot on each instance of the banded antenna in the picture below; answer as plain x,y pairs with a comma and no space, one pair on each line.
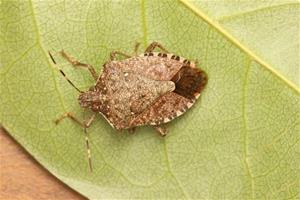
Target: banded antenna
64,75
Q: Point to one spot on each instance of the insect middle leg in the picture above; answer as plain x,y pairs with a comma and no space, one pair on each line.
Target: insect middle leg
85,125
76,63
113,54
154,45
136,48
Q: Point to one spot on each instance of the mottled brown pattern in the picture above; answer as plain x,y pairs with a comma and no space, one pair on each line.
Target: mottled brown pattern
149,89
166,108
153,67
128,93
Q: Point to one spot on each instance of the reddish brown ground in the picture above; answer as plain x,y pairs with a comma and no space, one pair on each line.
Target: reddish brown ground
22,178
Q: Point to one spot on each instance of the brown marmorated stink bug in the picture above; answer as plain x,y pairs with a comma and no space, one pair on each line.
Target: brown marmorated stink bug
148,89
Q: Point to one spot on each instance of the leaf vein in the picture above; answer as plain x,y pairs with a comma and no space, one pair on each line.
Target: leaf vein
172,174
144,23
229,17
246,144
237,43
44,52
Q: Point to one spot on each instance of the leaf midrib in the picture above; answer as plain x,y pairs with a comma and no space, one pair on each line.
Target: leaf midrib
238,44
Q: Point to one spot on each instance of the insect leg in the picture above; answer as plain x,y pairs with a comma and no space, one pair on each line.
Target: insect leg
113,55
136,47
161,130
85,125
76,63
89,122
64,74
131,130
71,116
154,45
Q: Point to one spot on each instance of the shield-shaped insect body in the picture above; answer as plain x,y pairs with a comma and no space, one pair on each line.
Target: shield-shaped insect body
148,89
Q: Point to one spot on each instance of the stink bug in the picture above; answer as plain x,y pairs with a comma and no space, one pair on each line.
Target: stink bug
148,89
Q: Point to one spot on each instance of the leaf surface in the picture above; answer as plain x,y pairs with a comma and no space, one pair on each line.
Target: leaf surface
240,141
269,28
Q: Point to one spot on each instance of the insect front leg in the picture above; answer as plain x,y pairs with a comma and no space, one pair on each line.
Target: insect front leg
85,125
76,63
154,45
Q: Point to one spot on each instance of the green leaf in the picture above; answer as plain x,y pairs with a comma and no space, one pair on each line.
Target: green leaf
269,28
240,141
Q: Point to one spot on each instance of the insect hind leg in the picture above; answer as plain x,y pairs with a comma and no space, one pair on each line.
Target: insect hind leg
162,131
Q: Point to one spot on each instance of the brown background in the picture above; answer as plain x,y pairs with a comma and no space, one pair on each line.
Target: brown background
22,178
